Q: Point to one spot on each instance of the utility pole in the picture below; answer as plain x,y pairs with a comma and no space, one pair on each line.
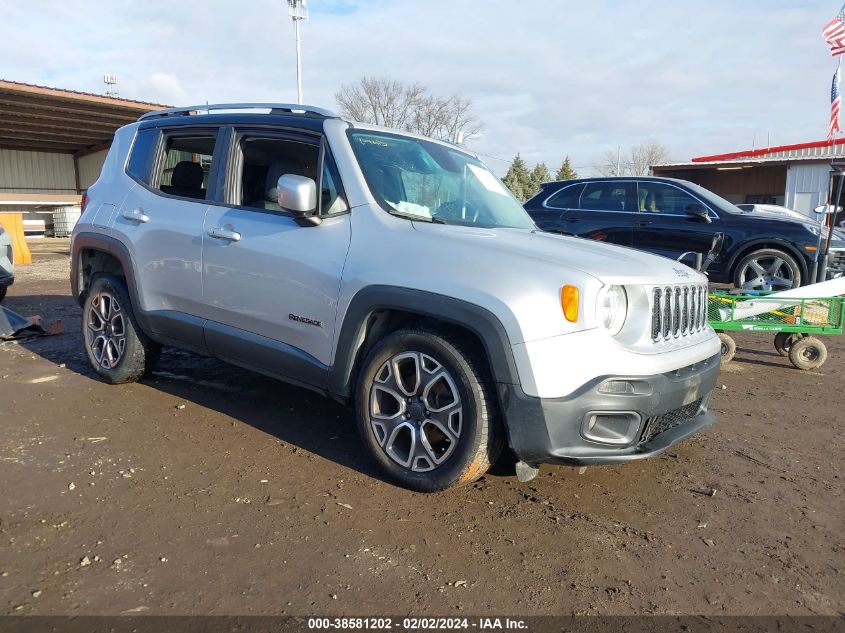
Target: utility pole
298,12
618,160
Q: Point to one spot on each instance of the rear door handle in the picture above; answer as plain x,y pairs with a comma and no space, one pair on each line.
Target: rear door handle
136,215
644,223
224,234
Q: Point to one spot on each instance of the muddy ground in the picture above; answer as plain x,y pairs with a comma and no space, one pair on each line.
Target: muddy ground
209,489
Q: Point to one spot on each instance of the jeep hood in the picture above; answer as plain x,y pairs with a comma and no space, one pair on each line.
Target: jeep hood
608,263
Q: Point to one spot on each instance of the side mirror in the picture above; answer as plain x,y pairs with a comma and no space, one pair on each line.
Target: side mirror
700,212
298,195
826,209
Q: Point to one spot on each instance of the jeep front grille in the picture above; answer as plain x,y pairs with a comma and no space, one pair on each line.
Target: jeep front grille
678,311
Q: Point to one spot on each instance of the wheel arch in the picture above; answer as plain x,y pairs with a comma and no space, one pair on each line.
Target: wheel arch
375,311
92,253
749,247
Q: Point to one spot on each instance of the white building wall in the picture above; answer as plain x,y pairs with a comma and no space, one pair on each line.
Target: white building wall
806,186
89,168
36,172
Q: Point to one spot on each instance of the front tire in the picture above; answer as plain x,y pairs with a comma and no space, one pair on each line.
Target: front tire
426,411
115,345
767,269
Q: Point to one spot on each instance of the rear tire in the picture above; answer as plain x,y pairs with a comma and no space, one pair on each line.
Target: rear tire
426,411
808,353
116,347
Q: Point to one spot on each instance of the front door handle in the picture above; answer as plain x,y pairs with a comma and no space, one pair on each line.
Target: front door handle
136,215
224,234
644,223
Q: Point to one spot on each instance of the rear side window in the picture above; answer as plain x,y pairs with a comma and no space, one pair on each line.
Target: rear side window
566,198
184,168
610,195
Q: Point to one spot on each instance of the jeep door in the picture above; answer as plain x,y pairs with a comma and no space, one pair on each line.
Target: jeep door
270,283
664,226
161,220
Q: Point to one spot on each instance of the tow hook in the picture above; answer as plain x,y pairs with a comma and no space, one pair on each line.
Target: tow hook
524,472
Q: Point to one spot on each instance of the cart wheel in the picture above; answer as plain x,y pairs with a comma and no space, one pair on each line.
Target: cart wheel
784,341
728,347
808,353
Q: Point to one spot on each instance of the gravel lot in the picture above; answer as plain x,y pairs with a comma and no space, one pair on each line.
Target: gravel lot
209,489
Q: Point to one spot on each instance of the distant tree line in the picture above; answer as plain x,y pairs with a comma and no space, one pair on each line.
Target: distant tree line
524,182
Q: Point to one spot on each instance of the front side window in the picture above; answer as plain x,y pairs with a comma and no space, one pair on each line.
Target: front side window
610,195
186,165
423,180
264,161
656,197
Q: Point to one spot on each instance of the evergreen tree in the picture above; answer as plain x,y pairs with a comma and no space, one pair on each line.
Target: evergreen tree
566,172
518,179
539,175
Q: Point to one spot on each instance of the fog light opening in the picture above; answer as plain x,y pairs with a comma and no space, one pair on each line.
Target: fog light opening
611,427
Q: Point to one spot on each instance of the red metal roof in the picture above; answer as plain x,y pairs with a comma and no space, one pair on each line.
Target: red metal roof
758,153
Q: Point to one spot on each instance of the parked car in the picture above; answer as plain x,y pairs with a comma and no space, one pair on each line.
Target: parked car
671,217
769,210
393,273
7,267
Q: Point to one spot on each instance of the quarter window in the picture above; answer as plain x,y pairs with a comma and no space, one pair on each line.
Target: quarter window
656,197
186,165
143,151
566,198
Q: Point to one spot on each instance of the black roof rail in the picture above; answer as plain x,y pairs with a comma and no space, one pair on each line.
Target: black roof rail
274,108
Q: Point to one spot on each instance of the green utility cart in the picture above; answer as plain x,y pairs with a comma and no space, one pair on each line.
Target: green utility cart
797,323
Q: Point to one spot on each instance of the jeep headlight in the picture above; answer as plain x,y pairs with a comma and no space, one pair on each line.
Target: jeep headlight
612,308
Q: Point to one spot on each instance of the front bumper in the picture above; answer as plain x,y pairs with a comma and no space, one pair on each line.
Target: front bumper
670,406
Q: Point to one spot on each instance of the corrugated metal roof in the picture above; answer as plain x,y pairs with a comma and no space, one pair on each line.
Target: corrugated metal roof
40,118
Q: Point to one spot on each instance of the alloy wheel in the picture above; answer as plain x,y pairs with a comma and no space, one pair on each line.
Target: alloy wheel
767,272
106,330
415,411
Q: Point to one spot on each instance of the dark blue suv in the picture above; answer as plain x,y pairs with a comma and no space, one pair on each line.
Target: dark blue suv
670,217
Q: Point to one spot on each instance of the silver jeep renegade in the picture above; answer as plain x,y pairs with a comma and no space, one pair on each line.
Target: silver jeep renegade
394,273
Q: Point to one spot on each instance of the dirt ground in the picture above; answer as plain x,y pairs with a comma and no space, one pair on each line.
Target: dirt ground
209,489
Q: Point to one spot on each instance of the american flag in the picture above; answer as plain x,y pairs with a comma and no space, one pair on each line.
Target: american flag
835,106
834,33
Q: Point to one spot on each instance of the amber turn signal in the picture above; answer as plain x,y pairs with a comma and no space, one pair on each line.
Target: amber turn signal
569,301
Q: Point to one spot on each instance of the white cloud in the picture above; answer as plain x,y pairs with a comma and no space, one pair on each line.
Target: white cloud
548,78
162,88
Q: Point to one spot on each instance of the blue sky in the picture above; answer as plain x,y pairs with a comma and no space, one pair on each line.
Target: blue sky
547,77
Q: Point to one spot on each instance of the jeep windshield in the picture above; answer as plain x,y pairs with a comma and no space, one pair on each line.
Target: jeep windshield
427,181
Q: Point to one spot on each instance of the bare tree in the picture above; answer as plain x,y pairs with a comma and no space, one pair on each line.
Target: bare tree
611,165
638,163
646,154
410,107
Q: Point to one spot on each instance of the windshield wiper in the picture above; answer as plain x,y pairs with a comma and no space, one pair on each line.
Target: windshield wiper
417,218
